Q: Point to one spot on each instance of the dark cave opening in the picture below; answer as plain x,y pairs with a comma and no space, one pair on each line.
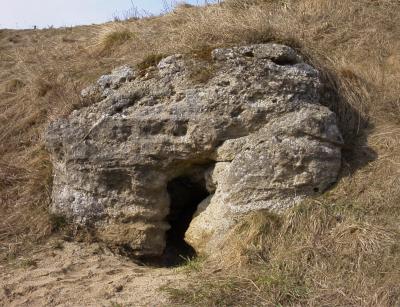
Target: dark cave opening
185,196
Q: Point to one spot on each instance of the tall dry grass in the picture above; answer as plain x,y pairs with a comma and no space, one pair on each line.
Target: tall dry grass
323,254
317,254
42,75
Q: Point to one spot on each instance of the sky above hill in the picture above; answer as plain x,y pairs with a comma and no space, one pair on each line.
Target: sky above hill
22,14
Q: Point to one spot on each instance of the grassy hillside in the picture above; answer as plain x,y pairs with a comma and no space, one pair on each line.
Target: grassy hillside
342,248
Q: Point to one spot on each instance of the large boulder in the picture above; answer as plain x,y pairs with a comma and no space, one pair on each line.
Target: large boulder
246,125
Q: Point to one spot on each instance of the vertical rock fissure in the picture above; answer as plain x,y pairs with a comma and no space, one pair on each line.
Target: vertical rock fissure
185,196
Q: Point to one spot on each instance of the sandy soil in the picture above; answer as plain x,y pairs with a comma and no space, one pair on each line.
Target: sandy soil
74,274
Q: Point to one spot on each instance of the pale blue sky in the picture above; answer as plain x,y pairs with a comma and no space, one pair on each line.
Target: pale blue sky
44,13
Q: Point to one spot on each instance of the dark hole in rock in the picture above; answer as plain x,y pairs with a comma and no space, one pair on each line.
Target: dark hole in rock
185,195
282,61
237,111
249,54
180,129
117,180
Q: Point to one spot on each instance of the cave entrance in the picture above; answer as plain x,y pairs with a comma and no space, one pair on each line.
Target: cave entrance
185,195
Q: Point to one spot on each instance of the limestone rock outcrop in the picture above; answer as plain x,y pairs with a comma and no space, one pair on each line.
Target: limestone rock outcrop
252,133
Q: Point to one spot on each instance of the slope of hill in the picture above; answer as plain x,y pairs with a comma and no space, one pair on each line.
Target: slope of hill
338,249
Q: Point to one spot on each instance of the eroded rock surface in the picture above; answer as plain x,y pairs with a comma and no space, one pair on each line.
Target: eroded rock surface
253,133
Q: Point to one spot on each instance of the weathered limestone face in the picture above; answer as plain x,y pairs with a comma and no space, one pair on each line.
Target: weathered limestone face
254,135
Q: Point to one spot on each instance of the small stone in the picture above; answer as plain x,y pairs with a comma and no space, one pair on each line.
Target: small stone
119,288
107,84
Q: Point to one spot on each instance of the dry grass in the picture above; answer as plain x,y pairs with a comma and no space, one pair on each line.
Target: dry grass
112,36
318,254
40,79
150,60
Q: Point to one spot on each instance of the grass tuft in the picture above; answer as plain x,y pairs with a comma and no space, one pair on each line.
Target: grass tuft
191,265
113,36
28,263
150,60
